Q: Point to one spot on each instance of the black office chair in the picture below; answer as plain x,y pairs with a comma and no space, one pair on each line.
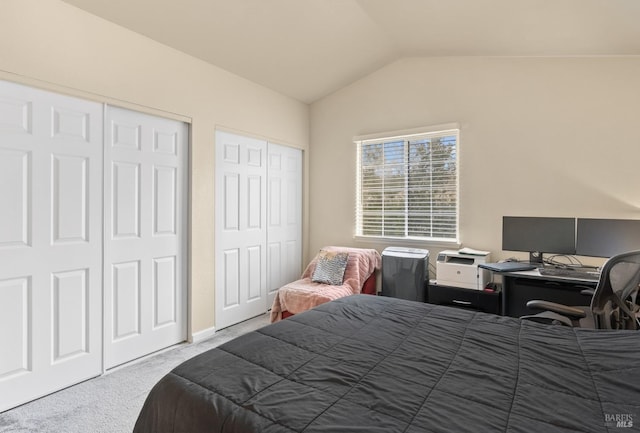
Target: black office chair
614,302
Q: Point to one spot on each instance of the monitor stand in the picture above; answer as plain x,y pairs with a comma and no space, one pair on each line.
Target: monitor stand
535,258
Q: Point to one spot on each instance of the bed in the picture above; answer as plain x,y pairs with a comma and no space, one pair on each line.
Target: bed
375,364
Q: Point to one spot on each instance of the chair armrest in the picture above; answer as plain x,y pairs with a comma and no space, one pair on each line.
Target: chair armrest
573,312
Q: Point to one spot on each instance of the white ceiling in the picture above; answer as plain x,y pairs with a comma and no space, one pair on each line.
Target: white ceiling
307,49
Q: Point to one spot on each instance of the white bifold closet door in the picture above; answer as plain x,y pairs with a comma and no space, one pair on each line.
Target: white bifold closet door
240,228
50,242
145,246
92,239
284,217
258,213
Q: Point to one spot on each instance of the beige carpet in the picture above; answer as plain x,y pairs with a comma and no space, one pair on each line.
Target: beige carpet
110,403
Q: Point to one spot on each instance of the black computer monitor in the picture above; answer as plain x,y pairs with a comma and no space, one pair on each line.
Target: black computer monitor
538,235
607,237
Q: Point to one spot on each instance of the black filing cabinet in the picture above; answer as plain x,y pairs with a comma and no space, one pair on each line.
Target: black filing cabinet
480,300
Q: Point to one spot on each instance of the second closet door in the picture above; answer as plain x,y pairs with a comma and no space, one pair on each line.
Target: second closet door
258,224
145,278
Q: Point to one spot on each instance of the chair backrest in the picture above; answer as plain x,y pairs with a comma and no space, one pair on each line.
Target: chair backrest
614,304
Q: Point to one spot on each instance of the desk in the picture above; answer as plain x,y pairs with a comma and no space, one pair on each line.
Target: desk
520,287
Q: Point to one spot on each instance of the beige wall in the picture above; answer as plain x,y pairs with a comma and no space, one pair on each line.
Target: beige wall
50,44
539,137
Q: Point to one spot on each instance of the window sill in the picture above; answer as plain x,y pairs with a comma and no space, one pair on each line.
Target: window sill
402,242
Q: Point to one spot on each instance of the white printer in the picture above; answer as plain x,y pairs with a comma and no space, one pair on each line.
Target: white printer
457,269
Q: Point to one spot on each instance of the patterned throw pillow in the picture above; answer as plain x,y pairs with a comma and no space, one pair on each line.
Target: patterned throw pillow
330,268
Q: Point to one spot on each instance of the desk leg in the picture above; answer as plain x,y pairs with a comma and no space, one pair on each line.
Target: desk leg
503,306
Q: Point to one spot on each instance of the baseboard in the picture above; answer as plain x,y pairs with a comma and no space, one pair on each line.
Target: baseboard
203,335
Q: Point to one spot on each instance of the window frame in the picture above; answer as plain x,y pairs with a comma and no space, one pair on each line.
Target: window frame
448,129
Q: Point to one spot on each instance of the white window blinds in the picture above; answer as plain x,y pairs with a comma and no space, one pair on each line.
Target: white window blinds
407,186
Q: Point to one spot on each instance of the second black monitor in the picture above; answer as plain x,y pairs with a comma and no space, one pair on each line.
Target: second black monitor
607,237
538,235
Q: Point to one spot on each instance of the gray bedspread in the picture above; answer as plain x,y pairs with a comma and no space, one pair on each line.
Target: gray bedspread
374,364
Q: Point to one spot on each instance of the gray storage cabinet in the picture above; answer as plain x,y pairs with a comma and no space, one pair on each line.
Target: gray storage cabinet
405,273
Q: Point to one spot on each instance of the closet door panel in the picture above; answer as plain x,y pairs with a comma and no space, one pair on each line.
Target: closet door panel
15,181
145,236
70,198
165,291
125,200
165,197
70,314
285,217
50,242
125,301
240,228
15,321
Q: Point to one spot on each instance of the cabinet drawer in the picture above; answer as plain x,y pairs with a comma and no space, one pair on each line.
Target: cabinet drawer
464,298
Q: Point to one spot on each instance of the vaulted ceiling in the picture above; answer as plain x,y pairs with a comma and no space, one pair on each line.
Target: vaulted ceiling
307,49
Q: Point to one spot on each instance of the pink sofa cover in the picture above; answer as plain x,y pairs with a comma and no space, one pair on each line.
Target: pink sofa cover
303,294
